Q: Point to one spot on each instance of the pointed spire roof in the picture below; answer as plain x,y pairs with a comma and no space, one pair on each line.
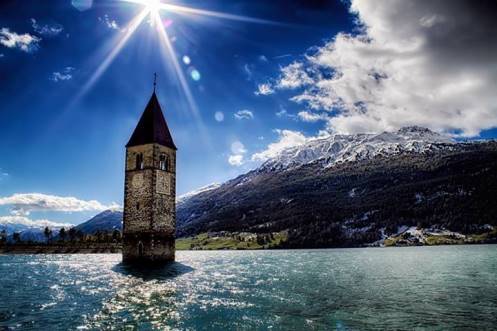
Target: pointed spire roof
152,127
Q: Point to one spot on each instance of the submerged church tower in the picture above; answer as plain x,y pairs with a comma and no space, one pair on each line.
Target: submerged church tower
150,190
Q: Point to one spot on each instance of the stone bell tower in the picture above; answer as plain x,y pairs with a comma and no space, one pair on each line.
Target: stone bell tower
150,190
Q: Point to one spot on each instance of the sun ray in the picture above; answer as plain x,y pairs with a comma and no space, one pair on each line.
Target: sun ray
203,12
129,30
168,48
153,8
157,5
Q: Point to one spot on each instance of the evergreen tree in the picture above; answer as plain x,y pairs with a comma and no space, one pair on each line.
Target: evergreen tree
47,233
80,235
116,236
72,234
3,237
62,234
17,237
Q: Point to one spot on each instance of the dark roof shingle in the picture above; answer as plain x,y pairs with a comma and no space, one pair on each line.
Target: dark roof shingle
152,127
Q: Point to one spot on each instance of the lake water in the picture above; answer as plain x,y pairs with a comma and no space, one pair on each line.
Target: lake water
440,288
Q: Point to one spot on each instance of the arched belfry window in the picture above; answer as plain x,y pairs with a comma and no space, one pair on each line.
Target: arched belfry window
163,162
139,161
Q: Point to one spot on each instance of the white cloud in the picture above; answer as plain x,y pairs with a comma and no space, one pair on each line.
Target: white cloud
307,116
264,89
3,174
1,55
22,220
413,63
244,115
293,76
282,113
110,23
235,160
25,42
248,70
24,203
66,74
48,30
237,154
238,148
286,139
430,20
282,56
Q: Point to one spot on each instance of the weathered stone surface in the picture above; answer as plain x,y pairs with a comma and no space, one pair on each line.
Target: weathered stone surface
149,204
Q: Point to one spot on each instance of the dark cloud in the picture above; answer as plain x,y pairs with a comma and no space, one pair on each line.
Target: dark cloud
429,63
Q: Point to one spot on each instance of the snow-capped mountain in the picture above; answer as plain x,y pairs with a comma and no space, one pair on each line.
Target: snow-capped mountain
29,233
202,189
319,193
29,230
339,148
11,224
106,221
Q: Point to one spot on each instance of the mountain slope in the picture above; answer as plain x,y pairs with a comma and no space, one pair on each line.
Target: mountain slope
30,231
356,193
106,221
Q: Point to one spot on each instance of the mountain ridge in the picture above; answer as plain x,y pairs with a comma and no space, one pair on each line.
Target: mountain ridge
339,148
105,221
403,180
345,190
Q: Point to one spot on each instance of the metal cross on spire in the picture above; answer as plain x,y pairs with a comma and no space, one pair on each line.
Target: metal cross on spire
155,81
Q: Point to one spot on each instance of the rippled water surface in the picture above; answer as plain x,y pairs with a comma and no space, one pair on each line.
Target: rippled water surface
450,287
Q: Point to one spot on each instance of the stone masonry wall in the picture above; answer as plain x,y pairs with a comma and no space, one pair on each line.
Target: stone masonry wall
149,203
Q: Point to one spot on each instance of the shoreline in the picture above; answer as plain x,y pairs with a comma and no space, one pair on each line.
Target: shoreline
116,248
60,249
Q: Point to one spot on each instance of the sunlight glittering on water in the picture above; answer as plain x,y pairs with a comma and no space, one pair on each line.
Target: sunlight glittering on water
397,288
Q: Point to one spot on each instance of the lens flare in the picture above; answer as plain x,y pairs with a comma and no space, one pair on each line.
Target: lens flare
195,74
82,5
152,8
219,116
169,50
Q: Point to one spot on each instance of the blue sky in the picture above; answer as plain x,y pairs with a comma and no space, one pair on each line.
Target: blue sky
239,80
56,142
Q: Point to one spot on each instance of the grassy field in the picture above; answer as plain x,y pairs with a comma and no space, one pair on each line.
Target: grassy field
205,241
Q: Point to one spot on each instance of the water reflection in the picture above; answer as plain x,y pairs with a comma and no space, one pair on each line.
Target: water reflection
345,289
147,298
150,272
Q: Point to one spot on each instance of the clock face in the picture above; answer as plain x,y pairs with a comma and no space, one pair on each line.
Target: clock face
137,181
163,183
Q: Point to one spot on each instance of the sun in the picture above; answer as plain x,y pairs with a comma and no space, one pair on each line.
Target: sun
153,9
152,5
